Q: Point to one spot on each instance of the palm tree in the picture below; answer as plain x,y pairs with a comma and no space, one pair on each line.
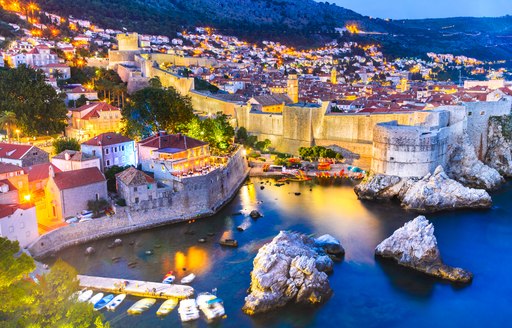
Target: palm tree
8,119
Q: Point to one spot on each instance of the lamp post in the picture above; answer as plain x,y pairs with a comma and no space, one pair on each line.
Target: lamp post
18,134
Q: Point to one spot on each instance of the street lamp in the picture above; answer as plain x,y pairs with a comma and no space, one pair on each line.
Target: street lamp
18,133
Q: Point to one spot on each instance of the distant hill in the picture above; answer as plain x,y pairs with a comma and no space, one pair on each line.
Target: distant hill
303,23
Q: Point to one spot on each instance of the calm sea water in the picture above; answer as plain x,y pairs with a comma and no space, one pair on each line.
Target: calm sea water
367,292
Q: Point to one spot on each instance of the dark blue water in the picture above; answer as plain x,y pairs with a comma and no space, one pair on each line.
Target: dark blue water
367,292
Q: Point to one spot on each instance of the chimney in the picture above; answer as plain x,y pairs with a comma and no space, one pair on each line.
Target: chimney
67,156
51,172
87,102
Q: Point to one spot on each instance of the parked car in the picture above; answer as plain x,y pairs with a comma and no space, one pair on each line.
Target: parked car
71,219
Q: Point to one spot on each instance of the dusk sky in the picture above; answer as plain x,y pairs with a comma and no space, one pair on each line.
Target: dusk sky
427,8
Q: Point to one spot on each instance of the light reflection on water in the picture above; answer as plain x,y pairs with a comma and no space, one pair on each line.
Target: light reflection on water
367,293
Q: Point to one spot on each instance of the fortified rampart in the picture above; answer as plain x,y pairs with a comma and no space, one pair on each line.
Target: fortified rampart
408,151
192,198
478,114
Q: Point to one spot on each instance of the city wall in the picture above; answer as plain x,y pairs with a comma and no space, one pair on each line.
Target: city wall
193,198
408,151
211,105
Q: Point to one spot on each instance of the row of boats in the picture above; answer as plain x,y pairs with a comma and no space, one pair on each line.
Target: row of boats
208,303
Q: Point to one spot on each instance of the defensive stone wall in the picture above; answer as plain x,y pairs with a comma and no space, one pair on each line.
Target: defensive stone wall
478,114
194,197
210,104
408,151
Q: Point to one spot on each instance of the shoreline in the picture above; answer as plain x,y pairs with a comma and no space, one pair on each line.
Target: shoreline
124,222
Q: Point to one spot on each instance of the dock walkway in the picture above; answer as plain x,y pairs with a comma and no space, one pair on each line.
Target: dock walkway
136,287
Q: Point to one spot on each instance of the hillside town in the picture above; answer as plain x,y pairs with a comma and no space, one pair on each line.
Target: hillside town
265,78
108,132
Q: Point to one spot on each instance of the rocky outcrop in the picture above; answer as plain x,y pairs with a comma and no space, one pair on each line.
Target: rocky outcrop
434,192
329,245
379,187
415,246
466,168
291,268
437,192
499,145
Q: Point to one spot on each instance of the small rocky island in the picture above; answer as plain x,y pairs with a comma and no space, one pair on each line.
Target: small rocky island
434,192
292,268
415,246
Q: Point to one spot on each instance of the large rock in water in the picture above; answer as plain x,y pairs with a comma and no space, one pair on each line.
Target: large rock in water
288,269
415,246
437,192
499,146
379,187
466,168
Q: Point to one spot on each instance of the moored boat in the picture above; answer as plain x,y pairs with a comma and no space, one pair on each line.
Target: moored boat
188,310
103,302
112,306
84,295
229,242
211,306
167,307
141,306
188,279
169,278
96,298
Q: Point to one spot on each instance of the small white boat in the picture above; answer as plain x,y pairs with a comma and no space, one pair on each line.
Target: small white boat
188,310
103,302
112,306
167,307
211,306
188,279
84,295
96,298
141,306
168,279
86,214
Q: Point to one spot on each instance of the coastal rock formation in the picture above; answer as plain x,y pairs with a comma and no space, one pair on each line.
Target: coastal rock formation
499,147
379,187
330,245
415,246
437,192
291,268
255,214
466,168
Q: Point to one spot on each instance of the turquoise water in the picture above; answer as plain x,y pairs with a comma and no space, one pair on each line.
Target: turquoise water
367,292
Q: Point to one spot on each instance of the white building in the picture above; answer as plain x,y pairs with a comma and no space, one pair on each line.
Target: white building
70,160
18,222
112,148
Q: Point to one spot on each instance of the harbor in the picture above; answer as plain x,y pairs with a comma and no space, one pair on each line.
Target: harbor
136,287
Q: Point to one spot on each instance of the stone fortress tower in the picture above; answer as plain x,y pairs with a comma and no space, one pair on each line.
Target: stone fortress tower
293,87
128,42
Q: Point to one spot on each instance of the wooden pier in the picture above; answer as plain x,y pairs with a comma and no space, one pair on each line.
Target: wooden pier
136,287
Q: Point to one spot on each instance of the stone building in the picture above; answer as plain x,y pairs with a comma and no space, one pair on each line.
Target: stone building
170,155
67,193
112,149
14,184
269,103
293,87
135,186
22,154
18,223
92,119
70,160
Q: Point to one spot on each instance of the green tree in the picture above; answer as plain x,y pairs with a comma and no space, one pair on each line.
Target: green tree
82,100
217,132
37,105
49,303
154,109
8,120
59,145
97,206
